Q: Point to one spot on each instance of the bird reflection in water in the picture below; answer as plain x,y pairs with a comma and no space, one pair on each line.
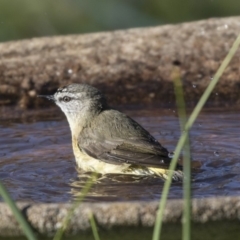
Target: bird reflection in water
117,187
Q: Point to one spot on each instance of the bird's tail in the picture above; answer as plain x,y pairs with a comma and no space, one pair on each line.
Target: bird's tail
164,173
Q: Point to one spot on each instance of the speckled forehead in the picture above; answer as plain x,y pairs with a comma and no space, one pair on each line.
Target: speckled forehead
62,89
61,92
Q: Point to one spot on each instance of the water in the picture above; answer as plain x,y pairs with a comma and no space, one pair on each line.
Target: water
37,163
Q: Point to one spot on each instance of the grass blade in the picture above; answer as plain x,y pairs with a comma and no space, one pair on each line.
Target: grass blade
17,214
94,227
182,140
83,194
187,204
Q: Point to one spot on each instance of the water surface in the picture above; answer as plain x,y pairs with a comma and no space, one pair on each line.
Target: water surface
37,163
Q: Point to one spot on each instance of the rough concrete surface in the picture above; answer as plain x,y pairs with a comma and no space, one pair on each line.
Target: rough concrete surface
130,66
47,218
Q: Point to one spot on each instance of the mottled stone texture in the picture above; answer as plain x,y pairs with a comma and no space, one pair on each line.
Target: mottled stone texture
47,218
130,66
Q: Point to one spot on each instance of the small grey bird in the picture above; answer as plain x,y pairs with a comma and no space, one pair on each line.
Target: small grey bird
107,141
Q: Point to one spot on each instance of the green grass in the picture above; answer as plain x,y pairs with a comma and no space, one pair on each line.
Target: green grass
17,213
184,136
186,220
94,227
79,200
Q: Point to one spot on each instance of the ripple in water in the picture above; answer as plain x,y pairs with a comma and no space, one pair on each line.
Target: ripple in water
37,163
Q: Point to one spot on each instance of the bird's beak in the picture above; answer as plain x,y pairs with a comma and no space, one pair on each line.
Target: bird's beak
49,97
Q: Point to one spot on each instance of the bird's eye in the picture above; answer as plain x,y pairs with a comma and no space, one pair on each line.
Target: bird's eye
66,99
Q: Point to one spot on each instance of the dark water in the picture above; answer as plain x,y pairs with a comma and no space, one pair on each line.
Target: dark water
37,164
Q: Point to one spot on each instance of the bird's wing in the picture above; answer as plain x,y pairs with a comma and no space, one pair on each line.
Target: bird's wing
115,138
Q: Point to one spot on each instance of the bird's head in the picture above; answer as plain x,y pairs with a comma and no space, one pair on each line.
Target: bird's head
79,102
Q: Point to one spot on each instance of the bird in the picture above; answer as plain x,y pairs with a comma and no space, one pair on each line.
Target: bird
107,141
